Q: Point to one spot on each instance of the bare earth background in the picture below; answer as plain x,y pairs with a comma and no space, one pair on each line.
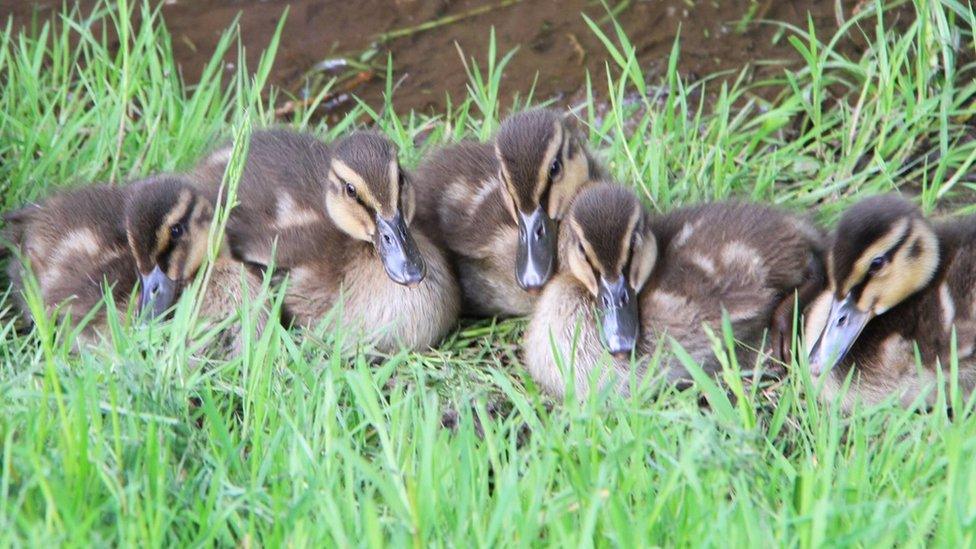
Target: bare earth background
555,46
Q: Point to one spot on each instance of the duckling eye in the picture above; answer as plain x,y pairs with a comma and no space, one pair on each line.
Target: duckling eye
877,264
177,231
350,190
555,168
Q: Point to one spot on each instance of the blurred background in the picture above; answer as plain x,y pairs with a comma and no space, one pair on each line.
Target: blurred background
345,45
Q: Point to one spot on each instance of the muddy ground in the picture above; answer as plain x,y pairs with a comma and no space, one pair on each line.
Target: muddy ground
556,47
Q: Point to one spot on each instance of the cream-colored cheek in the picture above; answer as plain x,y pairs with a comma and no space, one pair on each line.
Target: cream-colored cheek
509,204
197,252
897,282
350,219
815,318
564,190
409,203
645,257
174,270
870,299
582,271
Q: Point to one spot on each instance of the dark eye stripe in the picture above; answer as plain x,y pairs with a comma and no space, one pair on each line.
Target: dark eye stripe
165,255
901,242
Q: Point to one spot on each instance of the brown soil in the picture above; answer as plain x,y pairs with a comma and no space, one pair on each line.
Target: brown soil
556,47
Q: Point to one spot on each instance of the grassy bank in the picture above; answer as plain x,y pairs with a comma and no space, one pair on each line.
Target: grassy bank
137,443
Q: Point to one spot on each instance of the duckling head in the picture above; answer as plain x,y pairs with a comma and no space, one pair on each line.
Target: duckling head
611,251
368,197
167,223
543,165
883,252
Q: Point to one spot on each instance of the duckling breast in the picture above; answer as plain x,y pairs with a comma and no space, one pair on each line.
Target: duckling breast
563,339
232,286
391,316
487,277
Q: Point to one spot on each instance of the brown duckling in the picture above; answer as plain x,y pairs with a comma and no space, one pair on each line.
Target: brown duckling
628,281
76,241
898,283
496,207
336,220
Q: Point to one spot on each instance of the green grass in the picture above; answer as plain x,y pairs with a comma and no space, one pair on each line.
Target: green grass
135,443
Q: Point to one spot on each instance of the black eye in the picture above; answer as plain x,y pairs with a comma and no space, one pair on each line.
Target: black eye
556,168
350,190
401,180
177,231
877,264
580,246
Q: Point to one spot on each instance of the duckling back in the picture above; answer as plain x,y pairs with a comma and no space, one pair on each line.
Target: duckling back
279,195
460,203
74,243
746,260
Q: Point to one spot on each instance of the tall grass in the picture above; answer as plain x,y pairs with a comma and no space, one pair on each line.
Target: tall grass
133,443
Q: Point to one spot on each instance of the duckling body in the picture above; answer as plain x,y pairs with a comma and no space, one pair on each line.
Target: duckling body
279,196
631,281
348,278
333,219
77,242
897,282
462,190
496,207
74,243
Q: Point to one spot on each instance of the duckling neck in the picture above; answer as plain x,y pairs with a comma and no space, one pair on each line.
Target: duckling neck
394,315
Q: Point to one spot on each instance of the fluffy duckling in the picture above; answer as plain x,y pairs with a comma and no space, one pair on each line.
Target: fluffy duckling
898,283
75,242
629,281
336,220
496,207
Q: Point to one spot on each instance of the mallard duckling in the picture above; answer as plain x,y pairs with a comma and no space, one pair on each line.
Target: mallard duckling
628,281
336,220
898,283
152,232
496,207
167,226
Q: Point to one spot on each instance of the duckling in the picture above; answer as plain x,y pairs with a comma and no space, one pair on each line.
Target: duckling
496,207
167,226
628,281
336,220
76,241
898,283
